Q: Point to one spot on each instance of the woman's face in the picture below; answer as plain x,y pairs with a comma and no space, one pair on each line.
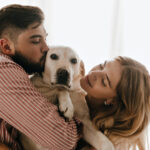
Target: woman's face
100,83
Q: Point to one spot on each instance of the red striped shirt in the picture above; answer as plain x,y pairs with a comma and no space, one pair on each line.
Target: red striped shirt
24,108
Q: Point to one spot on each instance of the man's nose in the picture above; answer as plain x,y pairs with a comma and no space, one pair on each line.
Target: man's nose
45,47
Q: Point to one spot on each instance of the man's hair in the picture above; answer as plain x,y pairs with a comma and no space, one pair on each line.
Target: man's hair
19,17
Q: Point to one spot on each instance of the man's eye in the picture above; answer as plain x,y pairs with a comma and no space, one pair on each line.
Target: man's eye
35,42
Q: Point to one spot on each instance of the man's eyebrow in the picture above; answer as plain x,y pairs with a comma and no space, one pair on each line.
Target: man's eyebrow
37,36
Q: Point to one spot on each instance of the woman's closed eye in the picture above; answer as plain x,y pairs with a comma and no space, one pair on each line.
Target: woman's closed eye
105,82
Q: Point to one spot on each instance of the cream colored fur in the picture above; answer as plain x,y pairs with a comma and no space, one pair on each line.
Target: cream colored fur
71,97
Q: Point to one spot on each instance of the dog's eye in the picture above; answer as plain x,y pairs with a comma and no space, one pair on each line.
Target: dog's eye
73,60
54,56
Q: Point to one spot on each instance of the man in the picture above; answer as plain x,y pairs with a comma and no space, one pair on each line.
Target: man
22,52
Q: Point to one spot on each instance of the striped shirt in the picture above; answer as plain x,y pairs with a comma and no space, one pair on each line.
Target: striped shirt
23,108
9,136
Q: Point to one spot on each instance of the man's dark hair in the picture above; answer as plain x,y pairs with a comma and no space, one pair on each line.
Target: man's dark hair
19,17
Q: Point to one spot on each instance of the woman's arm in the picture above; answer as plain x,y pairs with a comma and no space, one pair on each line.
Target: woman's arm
4,147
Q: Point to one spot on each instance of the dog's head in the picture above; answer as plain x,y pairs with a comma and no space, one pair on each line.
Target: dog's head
63,67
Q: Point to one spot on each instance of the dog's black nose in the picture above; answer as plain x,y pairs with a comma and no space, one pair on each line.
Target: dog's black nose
62,76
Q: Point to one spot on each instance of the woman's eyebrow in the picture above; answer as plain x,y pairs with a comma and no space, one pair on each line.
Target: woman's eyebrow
107,76
105,63
108,81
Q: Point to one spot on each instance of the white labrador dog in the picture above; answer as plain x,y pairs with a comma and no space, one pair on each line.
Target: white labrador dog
61,81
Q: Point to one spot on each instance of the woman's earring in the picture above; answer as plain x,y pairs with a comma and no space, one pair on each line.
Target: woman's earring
108,102
105,103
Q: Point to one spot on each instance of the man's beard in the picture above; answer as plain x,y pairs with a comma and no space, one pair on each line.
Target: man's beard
29,66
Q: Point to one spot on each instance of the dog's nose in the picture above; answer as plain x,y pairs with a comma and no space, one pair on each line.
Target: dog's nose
62,76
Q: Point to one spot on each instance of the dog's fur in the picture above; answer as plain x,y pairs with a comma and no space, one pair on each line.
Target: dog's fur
61,81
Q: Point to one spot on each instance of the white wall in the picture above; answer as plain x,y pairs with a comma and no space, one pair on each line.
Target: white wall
137,30
85,26
99,30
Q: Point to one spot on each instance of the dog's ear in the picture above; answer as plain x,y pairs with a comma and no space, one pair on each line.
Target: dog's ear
82,69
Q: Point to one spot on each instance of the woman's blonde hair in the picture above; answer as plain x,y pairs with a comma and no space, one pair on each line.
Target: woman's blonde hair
131,113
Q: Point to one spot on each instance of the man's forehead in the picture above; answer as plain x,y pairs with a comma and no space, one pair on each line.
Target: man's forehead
34,25
35,29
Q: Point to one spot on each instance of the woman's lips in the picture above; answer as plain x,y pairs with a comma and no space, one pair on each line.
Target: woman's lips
88,81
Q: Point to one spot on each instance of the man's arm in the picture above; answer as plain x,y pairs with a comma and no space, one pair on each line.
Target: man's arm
22,106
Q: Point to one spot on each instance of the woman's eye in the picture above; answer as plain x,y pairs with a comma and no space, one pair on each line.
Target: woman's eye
103,82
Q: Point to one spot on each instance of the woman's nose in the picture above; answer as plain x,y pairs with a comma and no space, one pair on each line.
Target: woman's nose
92,76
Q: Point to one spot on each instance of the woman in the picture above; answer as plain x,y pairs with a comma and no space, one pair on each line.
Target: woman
118,95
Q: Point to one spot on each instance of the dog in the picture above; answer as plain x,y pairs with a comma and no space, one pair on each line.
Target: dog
60,84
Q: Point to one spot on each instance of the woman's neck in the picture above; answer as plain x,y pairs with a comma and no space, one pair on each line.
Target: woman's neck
94,105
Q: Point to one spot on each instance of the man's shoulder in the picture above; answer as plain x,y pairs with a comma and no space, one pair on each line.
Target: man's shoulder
8,68
5,59
7,62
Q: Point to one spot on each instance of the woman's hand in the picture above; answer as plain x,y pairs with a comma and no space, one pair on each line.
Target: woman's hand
4,147
88,148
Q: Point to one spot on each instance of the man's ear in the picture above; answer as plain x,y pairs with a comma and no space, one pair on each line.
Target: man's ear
82,69
7,46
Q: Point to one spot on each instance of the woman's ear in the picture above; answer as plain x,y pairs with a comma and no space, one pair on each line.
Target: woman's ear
6,46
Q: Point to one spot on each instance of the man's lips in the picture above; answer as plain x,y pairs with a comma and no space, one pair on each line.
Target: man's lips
42,60
88,81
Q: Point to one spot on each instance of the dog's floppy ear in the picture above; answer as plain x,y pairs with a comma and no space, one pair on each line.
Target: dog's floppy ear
82,69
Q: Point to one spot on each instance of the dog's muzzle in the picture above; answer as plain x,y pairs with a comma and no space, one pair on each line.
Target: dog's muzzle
62,77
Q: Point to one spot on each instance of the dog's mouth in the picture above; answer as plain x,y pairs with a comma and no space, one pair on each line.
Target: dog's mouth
61,86
62,78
